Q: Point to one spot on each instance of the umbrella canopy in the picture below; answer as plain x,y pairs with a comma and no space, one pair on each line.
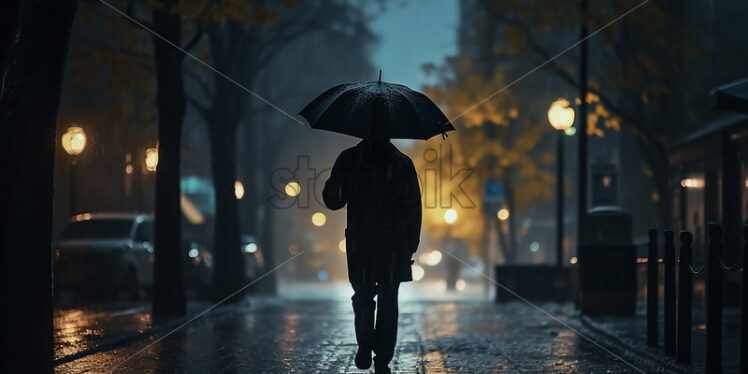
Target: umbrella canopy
376,110
732,97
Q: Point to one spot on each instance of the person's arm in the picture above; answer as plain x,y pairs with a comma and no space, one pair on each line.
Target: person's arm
413,209
335,195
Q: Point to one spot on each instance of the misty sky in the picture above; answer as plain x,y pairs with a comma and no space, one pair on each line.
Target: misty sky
413,33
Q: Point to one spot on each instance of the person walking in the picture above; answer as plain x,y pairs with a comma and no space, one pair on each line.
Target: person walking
379,185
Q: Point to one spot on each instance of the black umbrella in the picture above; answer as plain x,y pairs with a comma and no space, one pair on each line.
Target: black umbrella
376,110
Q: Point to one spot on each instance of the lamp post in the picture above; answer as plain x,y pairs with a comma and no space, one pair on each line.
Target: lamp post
73,142
450,217
561,117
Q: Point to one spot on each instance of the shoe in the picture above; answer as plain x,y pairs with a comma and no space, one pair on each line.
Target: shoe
382,369
363,358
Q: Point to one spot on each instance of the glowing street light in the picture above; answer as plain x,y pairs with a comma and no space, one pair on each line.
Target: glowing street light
151,159
319,219
450,216
238,190
503,214
293,189
561,117
341,245
74,140
561,114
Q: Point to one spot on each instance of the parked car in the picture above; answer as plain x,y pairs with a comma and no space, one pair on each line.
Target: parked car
108,253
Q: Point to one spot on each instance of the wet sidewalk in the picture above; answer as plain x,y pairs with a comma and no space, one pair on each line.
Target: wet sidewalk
311,331
89,329
631,334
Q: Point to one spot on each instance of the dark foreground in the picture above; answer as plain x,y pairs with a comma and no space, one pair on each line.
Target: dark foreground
303,333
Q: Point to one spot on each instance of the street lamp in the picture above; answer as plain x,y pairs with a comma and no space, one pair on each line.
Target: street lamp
561,117
238,190
73,142
151,159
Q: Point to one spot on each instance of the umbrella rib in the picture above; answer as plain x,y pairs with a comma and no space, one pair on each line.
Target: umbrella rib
415,112
420,123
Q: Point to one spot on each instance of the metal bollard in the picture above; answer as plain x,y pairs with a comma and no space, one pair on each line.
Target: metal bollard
714,301
669,293
652,289
743,311
685,298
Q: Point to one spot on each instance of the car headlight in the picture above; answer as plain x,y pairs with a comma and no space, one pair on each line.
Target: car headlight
250,248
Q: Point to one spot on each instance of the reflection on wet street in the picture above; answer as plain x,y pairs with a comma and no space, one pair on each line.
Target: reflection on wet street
84,328
312,331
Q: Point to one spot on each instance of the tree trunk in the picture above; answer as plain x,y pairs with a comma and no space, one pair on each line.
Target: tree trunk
227,53
269,284
229,263
168,287
33,58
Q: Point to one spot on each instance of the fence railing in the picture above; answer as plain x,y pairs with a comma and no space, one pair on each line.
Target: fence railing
678,311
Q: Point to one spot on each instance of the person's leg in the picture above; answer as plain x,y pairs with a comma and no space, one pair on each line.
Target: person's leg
363,310
385,333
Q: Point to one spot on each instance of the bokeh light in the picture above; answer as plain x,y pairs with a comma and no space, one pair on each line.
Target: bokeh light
460,284
534,247
503,214
323,275
293,249
74,140
561,114
151,159
418,272
250,248
450,216
238,190
293,189
319,219
431,258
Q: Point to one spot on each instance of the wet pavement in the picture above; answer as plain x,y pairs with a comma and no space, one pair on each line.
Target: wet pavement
311,331
632,332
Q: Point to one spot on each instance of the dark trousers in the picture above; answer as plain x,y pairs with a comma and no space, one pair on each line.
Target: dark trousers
380,338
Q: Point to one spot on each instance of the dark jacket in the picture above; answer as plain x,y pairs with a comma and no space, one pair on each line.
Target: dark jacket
380,186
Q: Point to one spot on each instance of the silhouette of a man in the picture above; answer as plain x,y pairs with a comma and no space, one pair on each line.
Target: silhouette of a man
380,186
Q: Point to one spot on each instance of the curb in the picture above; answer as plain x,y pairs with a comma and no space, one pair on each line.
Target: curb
667,364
